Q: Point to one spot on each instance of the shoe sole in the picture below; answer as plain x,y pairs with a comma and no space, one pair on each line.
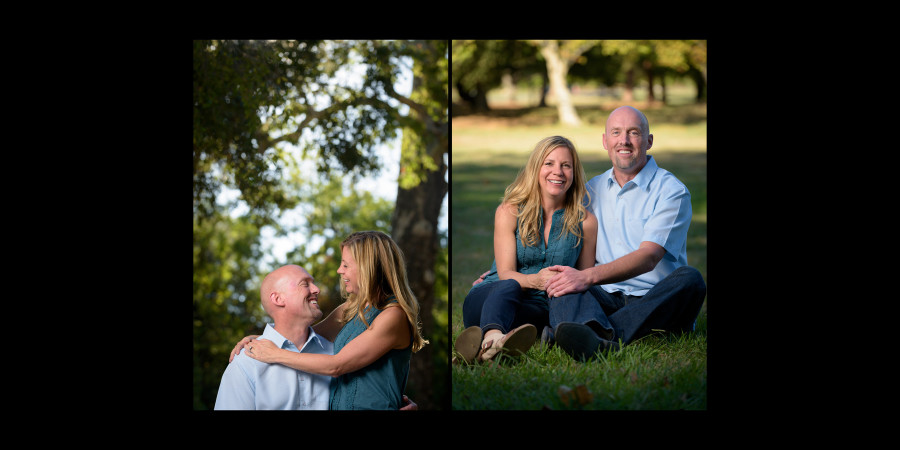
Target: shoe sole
468,344
520,340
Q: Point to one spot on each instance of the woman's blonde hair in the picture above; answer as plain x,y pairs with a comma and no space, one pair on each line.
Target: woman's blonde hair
381,272
525,193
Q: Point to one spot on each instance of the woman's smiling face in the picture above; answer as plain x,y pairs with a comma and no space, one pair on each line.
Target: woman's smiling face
348,271
556,172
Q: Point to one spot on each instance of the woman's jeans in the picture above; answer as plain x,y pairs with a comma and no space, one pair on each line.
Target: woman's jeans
672,306
502,305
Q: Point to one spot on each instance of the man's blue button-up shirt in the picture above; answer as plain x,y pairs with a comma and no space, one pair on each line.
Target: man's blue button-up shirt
654,206
251,384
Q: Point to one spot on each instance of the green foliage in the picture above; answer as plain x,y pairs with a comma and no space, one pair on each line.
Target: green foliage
234,83
251,96
478,65
226,297
334,210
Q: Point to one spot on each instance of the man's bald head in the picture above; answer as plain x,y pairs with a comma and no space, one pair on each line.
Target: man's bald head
274,283
645,124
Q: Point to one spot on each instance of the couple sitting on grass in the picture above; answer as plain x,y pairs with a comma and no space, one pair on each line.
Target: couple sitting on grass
592,265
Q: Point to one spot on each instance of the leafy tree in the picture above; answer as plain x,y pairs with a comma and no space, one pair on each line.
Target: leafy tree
421,190
479,65
252,96
559,56
655,58
226,297
234,83
333,211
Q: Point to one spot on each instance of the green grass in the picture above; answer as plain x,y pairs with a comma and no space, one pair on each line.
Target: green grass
658,372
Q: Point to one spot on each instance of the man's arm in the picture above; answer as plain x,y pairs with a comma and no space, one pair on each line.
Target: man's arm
638,262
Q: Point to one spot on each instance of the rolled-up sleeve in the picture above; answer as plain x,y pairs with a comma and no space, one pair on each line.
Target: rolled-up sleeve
669,222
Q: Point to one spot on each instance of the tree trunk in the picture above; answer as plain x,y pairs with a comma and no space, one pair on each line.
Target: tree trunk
700,79
414,226
557,71
629,86
662,83
545,87
477,101
651,94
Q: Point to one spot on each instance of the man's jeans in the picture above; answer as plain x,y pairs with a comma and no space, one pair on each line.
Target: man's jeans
502,305
672,305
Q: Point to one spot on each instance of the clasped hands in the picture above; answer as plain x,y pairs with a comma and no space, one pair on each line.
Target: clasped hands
558,280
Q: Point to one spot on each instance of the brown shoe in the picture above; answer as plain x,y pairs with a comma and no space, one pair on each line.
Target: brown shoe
468,344
514,343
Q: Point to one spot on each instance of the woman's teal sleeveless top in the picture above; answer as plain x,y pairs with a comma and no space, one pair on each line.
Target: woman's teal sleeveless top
561,250
377,386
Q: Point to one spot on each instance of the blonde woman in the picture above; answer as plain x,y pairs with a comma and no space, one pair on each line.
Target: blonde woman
541,222
375,330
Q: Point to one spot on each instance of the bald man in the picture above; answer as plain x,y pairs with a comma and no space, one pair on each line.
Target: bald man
641,280
290,297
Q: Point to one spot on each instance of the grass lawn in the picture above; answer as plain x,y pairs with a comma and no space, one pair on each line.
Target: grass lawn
658,372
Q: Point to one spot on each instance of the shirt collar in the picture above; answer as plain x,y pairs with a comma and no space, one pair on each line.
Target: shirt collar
272,335
279,340
643,177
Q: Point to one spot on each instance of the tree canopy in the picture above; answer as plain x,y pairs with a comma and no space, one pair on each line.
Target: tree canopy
480,65
251,99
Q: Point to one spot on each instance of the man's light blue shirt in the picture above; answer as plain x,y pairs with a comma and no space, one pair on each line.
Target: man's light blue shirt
251,384
654,206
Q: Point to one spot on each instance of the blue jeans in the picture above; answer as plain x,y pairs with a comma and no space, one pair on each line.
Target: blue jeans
502,305
672,305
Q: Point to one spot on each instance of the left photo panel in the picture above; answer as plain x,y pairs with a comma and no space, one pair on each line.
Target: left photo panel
320,225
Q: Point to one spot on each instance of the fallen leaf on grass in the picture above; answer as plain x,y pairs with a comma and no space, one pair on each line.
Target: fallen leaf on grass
579,396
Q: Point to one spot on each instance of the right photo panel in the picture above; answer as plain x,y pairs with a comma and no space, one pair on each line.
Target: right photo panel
578,224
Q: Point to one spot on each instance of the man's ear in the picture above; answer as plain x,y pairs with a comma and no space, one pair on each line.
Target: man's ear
276,299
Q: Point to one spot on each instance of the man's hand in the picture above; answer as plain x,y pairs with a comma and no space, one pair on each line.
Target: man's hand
408,405
480,279
567,280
